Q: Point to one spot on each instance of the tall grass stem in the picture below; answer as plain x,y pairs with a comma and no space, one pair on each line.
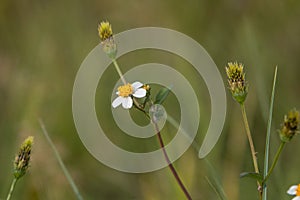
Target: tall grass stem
267,146
61,163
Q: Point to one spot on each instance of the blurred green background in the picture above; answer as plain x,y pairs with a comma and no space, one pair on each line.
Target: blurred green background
42,44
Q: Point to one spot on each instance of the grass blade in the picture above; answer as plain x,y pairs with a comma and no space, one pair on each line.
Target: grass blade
62,165
214,180
267,147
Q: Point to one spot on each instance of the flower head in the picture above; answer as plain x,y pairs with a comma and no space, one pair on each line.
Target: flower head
105,31
237,83
22,160
290,126
126,92
295,191
107,40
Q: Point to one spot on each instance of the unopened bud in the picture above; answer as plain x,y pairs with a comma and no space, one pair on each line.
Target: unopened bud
237,83
290,126
107,40
22,160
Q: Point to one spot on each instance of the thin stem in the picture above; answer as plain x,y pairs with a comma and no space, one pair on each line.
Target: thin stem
275,161
61,163
119,70
170,165
161,143
253,152
138,106
12,187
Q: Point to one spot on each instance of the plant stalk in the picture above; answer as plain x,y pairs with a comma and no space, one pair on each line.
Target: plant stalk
170,165
119,71
253,152
12,187
252,148
275,161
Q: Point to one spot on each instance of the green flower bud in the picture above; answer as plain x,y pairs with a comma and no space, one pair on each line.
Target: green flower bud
107,40
290,126
22,160
237,83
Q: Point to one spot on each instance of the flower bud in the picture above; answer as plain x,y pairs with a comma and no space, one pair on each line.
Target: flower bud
237,83
107,40
22,160
290,126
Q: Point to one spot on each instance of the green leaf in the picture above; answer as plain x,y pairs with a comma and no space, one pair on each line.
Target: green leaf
161,95
253,175
267,147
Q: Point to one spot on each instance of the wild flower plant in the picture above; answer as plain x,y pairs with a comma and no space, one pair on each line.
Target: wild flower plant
138,95
21,163
133,95
238,87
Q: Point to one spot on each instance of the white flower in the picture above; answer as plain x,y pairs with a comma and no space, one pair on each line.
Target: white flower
126,92
295,191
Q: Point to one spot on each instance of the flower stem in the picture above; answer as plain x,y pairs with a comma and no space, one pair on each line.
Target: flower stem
138,106
275,161
119,70
12,187
253,152
170,165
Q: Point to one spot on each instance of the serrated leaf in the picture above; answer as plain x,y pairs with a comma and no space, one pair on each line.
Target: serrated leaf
161,95
253,175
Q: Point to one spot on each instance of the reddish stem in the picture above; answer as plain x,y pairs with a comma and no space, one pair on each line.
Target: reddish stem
170,165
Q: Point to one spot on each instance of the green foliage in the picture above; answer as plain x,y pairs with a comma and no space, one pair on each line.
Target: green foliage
161,95
268,135
256,176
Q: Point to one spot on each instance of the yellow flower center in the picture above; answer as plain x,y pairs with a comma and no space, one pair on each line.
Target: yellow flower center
298,190
125,90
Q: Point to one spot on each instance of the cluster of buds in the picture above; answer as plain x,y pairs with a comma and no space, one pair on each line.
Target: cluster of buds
290,126
107,40
237,83
22,160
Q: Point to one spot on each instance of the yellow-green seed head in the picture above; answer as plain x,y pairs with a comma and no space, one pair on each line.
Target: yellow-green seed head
22,160
107,40
236,80
290,126
105,31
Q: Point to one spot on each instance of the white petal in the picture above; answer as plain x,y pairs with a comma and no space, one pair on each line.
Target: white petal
139,93
292,190
137,85
296,198
117,102
127,102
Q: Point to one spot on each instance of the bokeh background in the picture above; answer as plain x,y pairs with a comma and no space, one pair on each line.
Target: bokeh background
42,44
